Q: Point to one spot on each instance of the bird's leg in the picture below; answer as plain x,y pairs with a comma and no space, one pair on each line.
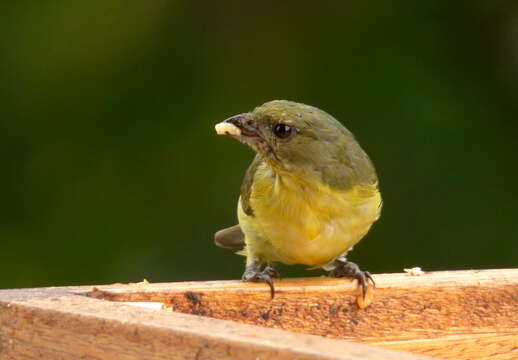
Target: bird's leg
344,268
253,273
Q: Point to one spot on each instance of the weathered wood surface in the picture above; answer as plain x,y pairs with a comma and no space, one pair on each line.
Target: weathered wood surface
455,315
54,323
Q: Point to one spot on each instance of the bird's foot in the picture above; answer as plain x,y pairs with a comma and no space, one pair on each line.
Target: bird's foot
351,270
254,275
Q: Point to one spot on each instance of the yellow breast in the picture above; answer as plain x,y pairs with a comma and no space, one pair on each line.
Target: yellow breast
301,223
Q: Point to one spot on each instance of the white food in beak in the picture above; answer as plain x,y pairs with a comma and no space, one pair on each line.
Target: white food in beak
225,128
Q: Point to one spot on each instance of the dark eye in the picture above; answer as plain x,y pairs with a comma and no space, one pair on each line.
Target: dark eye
282,131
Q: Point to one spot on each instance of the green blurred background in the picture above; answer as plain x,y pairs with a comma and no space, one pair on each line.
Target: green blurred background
111,170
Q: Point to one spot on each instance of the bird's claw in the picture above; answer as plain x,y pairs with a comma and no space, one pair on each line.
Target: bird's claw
265,276
350,269
272,272
363,278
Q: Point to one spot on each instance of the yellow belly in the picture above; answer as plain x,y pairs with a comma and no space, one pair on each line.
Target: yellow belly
299,223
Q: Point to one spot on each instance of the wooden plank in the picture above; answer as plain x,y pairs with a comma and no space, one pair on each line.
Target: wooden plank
457,315
55,323
450,314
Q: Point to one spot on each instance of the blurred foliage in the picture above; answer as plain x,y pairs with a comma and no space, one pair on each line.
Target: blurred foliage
111,170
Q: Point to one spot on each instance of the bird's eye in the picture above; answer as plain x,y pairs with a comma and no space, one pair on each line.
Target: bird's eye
282,131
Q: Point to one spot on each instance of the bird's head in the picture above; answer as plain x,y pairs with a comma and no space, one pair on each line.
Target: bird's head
300,140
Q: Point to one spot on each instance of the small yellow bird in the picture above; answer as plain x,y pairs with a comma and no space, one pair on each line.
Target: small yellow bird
309,196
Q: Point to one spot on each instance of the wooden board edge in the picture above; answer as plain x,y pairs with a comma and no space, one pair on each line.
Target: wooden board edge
430,280
56,324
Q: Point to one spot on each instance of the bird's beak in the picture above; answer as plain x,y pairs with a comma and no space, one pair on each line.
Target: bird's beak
239,125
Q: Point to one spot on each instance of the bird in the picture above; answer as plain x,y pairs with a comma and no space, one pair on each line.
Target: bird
310,194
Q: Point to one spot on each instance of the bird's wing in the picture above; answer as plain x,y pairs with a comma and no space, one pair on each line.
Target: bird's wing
246,185
230,238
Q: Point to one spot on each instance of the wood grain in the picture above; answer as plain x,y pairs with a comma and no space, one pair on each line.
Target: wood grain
451,315
55,323
455,315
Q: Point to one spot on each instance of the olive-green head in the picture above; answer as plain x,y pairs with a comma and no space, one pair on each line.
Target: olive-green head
303,141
